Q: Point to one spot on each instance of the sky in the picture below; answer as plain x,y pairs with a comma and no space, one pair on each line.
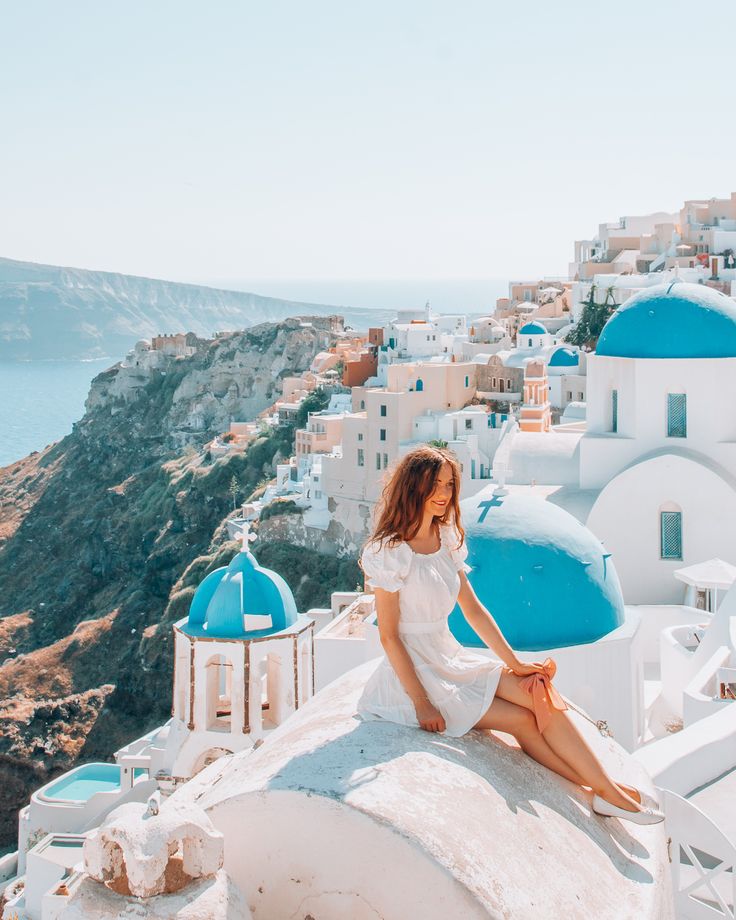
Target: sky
293,141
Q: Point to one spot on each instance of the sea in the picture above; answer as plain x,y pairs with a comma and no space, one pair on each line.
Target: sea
40,400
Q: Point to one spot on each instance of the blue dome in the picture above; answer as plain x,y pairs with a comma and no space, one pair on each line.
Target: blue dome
675,320
533,329
226,595
544,577
564,357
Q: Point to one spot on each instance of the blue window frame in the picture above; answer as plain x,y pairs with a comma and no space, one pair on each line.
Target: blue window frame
614,410
670,534
676,415
383,410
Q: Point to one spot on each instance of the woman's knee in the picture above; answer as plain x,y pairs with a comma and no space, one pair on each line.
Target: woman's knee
509,688
525,727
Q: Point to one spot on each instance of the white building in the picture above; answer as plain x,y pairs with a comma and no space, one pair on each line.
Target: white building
652,473
421,333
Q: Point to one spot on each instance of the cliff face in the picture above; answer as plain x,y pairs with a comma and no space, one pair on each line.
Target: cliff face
52,312
104,537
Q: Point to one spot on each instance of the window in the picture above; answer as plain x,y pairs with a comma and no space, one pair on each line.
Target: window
467,380
493,383
676,415
361,457
580,395
614,410
362,404
378,461
434,338
385,461
530,343
360,435
670,534
468,424
317,493
383,411
382,435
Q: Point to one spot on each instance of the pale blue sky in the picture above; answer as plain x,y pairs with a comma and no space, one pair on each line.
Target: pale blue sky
310,139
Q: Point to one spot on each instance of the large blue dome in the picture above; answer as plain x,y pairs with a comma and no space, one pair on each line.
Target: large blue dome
544,577
675,320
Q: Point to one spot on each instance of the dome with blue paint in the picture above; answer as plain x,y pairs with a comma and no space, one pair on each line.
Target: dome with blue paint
231,593
546,580
533,328
675,320
564,357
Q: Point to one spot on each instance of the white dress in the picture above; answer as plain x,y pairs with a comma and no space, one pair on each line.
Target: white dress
459,682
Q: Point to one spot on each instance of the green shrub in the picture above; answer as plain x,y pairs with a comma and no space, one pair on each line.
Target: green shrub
280,506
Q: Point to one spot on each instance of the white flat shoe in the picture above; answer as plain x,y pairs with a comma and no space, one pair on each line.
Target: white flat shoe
645,815
648,801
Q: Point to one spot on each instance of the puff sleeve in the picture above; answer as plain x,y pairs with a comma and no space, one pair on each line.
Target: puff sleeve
386,566
460,554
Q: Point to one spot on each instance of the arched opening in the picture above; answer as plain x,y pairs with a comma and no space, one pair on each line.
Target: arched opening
218,682
207,757
269,684
420,385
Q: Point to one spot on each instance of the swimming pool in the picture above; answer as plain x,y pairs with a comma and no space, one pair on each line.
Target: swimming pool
81,784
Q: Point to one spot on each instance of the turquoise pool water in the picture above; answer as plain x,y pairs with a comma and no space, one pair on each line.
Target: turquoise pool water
81,784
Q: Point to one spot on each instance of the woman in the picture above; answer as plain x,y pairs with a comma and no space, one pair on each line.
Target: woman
415,564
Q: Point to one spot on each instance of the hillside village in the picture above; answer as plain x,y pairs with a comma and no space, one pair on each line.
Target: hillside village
592,421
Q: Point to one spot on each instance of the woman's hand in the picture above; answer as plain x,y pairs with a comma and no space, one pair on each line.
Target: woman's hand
429,717
523,669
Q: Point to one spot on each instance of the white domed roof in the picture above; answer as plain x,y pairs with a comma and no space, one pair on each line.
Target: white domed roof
339,818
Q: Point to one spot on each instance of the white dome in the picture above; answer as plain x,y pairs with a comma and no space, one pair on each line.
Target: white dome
336,817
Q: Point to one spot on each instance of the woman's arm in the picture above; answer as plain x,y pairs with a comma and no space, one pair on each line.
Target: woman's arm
387,609
487,628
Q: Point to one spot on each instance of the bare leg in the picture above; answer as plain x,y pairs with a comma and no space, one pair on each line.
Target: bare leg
519,722
569,745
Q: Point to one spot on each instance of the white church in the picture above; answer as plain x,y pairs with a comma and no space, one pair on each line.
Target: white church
265,796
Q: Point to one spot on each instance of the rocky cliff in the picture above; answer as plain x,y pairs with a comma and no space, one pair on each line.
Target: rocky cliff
52,312
105,535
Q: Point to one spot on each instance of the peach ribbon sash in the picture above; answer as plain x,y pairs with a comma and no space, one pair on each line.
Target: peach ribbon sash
545,697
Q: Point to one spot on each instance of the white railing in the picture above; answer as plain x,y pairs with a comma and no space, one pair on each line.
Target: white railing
703,862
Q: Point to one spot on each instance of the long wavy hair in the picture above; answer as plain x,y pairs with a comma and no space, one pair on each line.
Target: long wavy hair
401,506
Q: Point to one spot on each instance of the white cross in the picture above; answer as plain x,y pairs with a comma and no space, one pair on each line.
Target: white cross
246,537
